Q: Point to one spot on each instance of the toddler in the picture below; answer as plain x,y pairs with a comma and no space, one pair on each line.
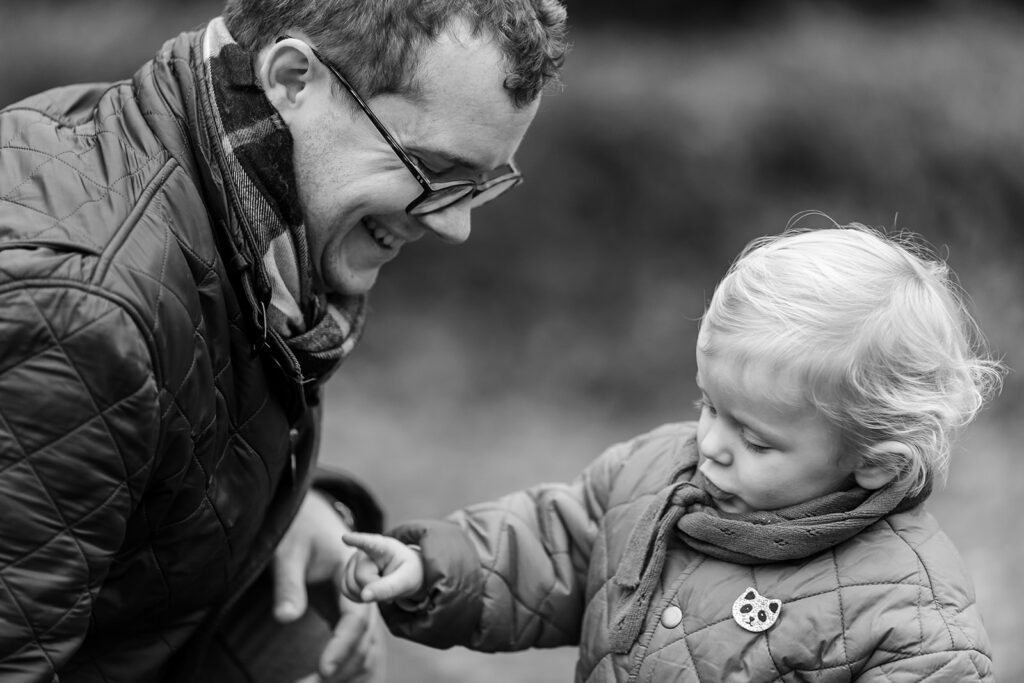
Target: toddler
780,537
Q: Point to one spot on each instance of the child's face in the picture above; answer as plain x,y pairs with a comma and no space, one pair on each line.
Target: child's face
758,451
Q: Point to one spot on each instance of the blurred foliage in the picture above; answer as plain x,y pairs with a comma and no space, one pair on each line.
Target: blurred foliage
704,14
667,149
666,153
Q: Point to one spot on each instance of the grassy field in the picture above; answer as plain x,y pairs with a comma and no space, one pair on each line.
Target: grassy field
568,321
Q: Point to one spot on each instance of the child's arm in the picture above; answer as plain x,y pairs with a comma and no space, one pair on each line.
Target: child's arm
511,574
386,569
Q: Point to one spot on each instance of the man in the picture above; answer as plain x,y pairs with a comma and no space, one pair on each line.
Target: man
184,260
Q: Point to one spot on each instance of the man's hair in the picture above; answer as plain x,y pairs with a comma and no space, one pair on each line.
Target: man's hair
876,330
376,43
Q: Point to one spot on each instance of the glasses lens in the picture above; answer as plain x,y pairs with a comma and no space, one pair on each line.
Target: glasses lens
495,189
440,198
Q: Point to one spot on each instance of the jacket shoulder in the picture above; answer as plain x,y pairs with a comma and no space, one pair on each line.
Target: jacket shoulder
905,579
75,165
96,193
647,463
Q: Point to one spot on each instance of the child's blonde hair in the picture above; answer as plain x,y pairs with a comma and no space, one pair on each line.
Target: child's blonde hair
876,330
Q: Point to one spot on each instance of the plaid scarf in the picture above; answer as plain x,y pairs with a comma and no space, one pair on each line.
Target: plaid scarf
791,533
253,150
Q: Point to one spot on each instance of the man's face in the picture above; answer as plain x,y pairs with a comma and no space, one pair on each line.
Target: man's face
353,188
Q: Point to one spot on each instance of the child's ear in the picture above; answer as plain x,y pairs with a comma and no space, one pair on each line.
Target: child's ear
869,474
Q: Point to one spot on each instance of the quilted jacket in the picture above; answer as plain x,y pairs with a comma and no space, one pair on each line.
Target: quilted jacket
152,448
534,569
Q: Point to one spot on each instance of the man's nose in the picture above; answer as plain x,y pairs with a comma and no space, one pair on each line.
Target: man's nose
451,224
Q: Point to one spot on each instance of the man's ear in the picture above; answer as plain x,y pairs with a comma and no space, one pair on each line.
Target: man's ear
869,474
286,70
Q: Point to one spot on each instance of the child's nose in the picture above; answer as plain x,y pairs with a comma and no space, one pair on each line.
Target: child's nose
714,444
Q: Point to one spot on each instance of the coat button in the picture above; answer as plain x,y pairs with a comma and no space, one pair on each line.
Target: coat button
671,617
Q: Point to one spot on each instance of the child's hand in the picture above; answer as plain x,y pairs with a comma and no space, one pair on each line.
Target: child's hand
385,570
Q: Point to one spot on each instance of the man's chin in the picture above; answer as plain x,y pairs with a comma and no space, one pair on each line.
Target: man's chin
353,283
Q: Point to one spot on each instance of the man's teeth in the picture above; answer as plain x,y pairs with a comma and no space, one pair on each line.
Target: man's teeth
382,237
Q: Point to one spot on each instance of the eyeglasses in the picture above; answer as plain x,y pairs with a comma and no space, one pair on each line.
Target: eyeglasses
435,196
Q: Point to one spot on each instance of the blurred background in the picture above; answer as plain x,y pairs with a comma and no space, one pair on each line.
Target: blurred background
682,130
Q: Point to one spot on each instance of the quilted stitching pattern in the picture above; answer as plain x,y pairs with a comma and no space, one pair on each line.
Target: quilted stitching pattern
80,418
137,428
51,187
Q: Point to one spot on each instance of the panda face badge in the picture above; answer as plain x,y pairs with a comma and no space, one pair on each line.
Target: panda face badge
754,612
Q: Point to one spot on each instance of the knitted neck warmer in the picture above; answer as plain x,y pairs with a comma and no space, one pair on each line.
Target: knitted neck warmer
253,150
762,537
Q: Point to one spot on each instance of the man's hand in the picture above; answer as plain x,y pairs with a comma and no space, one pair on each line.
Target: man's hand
385,570
312,552
355,654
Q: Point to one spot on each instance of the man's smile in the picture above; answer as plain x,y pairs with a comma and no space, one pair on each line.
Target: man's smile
382,237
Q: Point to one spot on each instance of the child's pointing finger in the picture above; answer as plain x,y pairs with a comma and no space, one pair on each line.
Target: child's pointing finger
380,549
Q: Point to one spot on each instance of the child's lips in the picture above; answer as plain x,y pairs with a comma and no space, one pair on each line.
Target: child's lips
713,490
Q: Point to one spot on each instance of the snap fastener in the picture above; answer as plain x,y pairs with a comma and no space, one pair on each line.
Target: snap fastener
671,617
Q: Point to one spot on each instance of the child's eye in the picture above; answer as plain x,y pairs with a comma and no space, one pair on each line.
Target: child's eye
754,447
703,404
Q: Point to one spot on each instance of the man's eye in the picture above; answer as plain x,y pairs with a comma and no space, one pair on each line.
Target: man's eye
426,168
